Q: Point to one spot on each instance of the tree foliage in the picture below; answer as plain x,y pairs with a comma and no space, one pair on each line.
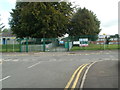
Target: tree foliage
6,30
40,19
84,22
1,25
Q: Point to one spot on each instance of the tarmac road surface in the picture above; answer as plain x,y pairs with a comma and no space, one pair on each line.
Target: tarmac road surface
54,69
103,74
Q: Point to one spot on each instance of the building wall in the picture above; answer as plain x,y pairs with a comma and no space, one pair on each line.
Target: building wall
8,40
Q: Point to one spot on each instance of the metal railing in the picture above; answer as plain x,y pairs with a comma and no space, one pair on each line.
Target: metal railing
83,42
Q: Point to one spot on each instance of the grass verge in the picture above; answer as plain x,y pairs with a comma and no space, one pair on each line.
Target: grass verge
96,47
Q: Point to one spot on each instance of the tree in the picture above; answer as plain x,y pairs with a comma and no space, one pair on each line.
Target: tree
6,30
1,25
107,40
40,19
84,23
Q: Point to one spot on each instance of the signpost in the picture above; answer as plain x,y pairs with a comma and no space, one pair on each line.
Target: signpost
83,42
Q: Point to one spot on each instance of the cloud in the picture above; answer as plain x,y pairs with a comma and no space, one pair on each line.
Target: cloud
11,1
5,9
110,23
110,30
4,18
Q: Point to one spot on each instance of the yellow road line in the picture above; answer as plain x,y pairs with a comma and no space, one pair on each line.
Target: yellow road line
77,77
85,75
71,79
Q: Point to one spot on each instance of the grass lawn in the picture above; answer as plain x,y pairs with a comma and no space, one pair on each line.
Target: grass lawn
96,47
10,48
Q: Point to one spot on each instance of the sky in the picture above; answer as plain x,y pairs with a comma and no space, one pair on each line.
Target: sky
105,10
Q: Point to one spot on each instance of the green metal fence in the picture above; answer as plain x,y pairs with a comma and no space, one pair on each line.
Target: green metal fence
42,44
10,45
95,42
63,44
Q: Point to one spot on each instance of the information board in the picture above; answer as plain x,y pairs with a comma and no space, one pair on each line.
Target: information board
83,42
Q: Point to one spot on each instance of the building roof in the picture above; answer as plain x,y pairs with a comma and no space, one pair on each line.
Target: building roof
8,34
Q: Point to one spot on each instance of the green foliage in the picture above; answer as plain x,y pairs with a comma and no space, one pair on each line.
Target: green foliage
1,25
107,40
6,30
40,19
115,36
84,22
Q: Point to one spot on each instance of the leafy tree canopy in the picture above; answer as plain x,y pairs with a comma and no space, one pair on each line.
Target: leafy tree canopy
6,30
40,19
84,22
1,25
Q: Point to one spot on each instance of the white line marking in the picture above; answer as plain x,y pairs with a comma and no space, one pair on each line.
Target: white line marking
85,75
34,65
4,78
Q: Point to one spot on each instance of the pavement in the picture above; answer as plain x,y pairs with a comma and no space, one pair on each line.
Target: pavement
54,69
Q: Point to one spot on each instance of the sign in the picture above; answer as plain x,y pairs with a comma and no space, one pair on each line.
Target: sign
83,42
76,43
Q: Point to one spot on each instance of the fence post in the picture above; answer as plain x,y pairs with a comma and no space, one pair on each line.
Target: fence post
26,44
43,44
6,45
118,42
20,45
104,43
13,45
68,44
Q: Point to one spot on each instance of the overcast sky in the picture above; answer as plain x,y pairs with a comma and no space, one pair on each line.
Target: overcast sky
105,10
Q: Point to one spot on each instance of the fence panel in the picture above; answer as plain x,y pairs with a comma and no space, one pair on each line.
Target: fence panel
10,45
83,42
29,45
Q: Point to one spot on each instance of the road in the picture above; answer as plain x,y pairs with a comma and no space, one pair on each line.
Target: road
50,69
102,74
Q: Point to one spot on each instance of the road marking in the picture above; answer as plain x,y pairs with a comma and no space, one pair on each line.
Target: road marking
34,64
5,78
77,77
71,79
85,75
10,60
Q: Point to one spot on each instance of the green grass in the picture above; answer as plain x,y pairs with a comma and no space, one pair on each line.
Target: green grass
96,47
10,48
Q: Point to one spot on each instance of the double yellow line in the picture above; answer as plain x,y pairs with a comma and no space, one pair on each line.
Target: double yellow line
77,73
